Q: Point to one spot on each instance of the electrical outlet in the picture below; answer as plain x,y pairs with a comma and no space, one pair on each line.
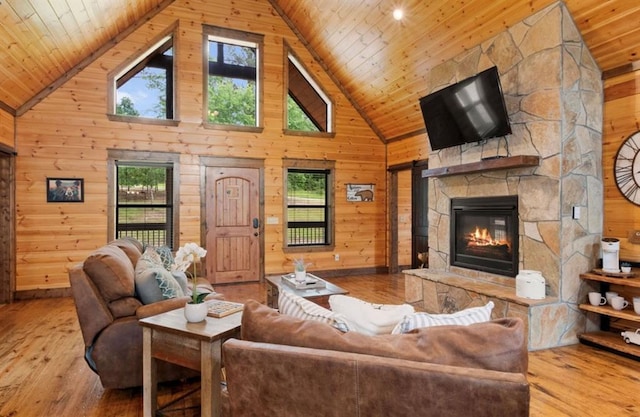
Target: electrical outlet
336,257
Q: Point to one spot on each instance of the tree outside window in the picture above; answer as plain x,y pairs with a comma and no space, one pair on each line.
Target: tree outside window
232,77
309,204
297,118
309,109
144,196
144,208
145,87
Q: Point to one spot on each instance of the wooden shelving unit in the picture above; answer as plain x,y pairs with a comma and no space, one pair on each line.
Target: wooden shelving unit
610,338
611,341
485,165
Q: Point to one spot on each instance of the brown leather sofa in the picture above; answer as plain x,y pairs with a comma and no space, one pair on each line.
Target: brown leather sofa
291,367
108,310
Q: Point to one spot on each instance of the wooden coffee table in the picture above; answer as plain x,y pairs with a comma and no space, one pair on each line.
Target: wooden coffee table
169,337
319,296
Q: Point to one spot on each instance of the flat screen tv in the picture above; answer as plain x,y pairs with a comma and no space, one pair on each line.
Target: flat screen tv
468,111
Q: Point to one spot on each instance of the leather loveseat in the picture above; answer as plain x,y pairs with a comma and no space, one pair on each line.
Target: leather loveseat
108,308
286,366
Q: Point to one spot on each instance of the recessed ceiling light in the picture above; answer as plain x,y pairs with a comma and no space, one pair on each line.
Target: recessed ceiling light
398,14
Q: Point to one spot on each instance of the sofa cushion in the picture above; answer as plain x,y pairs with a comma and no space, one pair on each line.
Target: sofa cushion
296,306
153,281
131,247
111,271
149,259
462,318
166,256
147,287
499,345
369,318
183,281
169,286
124,307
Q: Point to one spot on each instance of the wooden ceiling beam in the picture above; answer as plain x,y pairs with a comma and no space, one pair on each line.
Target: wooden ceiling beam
621,70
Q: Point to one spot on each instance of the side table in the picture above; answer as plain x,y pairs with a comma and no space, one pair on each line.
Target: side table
170,338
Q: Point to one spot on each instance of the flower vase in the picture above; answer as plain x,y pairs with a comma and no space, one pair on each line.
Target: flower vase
300,276
195,313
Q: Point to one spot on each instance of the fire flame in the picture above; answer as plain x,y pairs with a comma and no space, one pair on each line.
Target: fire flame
482,237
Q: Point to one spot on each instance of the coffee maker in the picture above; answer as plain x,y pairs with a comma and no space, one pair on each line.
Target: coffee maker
610,251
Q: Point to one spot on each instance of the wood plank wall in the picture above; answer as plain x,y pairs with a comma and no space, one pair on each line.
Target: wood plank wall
68,135
621,119
404,218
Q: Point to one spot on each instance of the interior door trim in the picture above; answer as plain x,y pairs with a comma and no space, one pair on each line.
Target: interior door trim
393,209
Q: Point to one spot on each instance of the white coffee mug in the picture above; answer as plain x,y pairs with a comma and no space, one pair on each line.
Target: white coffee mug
618,303
609,295
596,299
636,305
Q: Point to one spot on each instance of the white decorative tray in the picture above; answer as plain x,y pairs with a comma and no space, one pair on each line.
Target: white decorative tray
311,281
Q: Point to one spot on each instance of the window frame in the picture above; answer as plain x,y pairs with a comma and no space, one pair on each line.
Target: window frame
311,165
239,38
290,58
132,63
143,159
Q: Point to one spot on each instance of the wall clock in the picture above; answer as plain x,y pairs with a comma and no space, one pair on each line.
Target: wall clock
627,168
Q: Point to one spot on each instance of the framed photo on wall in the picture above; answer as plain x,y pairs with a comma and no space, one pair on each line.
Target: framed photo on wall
360,192
65,190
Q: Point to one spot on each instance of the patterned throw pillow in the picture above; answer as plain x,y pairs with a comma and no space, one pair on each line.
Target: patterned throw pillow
166,256
149,258
169,287
463,318
153,281
296,306
368,318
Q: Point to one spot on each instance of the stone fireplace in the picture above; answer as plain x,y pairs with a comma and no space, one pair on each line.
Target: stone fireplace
556,119
484,234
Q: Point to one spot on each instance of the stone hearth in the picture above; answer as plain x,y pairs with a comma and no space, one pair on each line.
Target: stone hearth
554,97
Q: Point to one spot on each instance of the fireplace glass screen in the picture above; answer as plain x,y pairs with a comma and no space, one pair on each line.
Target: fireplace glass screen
484,234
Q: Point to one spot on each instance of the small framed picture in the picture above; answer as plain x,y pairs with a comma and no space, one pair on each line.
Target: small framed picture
65,190
360,192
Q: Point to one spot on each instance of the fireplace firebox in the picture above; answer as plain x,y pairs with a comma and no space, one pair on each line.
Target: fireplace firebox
484,234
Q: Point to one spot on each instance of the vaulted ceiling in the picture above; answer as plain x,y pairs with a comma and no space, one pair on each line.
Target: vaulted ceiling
377,61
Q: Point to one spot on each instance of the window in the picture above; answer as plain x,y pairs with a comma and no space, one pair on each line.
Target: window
232,78
145,197
309,109
144,88
309,203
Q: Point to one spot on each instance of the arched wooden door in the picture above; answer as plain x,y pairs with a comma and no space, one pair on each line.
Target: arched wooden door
233,224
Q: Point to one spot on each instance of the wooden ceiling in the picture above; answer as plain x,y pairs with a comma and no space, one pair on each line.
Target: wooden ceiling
378,62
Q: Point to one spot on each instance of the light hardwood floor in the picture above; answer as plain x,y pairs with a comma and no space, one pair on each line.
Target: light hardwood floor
43,373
